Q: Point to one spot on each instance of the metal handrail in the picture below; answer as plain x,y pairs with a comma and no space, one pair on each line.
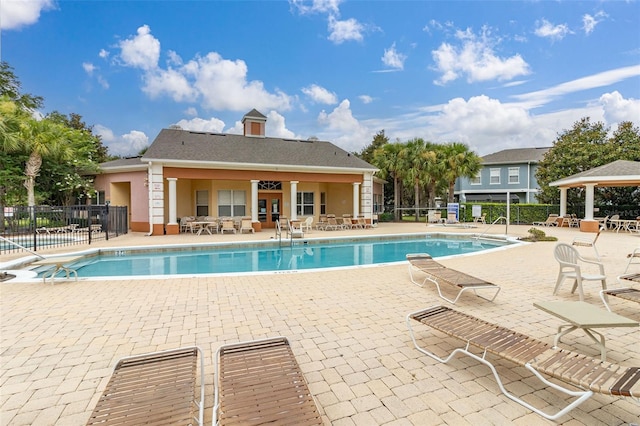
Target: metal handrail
22,247
493,223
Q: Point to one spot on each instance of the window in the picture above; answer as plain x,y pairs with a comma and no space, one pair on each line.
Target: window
514,175
323,203
269,185
494,176
476,180
304,203
231,203
202,203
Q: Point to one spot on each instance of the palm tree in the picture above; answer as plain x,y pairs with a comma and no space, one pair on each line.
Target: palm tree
389,160
460,162
43,138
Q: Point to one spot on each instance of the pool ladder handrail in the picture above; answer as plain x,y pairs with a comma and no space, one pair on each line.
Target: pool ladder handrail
22,247
477,237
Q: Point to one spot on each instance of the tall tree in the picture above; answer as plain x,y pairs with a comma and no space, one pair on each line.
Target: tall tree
368,152
460,162
388,159
42,138
584,147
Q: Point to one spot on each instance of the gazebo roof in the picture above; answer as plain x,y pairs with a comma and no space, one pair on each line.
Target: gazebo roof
616,173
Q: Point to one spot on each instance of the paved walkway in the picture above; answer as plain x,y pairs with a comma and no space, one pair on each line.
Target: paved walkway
347,328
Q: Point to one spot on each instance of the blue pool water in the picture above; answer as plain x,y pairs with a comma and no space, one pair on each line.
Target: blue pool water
312,254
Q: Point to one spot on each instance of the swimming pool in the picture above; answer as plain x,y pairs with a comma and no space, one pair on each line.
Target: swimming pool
273,257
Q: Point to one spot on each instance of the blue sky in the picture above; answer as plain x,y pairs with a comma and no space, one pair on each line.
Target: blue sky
491,74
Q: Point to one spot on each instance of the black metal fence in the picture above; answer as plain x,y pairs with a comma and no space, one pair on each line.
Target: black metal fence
40,227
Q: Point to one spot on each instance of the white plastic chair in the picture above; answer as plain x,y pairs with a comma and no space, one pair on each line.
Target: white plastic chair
307,225
571,264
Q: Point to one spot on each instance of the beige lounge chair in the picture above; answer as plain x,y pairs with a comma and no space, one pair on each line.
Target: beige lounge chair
571,267
260,382
552,220
155,388
246,225
227,225
439,274
332,224
588,374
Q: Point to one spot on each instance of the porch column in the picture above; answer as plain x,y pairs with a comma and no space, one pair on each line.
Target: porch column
294,194
173,216
588,202
563,201
254,200
356,199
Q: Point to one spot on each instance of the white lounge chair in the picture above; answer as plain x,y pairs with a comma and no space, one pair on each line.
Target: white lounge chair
246,226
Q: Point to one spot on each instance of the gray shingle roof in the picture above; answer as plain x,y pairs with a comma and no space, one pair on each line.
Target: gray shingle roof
254,113
185,145
616,173
517,155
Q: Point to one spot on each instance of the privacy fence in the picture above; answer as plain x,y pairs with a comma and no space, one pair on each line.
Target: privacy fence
35,228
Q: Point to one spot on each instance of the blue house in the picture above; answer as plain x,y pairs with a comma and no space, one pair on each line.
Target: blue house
511,171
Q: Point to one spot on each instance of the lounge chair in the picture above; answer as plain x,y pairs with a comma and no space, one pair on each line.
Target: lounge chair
155,388
626,292
260,382
571,266
480,219
588,242
588,374
552,220
227,225
439,274
362,223
246,225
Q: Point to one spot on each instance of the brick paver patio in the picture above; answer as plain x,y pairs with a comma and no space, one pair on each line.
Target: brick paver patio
347,328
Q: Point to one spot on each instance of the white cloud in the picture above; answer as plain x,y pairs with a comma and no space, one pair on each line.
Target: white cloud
217,83
393,59
277,128
170,82
617,109
341,31
344,129
88,67
316,6
212,125
606,78
104,54
223,85
546,29
19,13
476,59
589,22
141,51
191,111
126,145
320,95
366,99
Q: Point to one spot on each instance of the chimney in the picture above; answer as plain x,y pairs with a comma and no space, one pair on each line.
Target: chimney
254,123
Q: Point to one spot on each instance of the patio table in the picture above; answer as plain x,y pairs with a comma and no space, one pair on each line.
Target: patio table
205,226
584,316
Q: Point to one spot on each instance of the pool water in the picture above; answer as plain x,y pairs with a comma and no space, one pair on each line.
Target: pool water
312,254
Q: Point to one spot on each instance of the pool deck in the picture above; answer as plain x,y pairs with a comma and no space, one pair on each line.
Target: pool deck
347,328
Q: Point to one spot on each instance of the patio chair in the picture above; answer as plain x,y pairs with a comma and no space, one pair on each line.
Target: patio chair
571,267
260,382
552,220
185,224
227,225
332,224
588,242
154,388
246,225
294,229
588,374
439,274
626,292
307,225
362,222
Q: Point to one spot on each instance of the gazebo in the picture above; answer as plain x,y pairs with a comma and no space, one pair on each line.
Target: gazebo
617,173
